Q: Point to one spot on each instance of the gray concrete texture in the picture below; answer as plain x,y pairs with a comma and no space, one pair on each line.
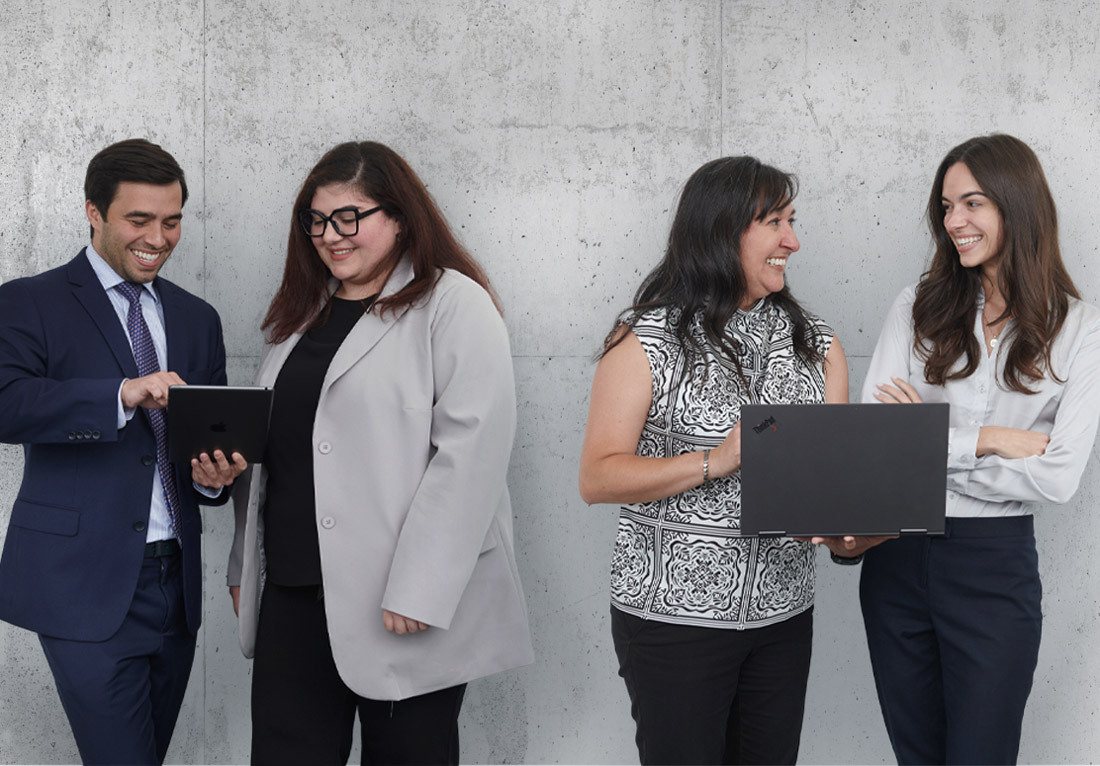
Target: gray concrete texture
556,135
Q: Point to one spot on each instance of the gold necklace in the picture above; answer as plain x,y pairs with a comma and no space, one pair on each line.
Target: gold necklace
997,336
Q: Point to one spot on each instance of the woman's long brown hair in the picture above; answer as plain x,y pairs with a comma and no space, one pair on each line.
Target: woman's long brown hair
379,173
1031,277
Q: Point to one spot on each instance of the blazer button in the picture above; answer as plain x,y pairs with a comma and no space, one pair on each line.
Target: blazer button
72,436
148,460
95,434
87,434
139,526
324,448
328,522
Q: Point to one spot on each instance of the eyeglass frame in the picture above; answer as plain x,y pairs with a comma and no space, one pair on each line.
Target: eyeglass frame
306,220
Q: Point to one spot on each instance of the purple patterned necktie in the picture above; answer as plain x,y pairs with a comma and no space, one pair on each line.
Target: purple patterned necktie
145,354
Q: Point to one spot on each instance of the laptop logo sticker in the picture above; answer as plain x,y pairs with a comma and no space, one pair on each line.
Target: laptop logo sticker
764,425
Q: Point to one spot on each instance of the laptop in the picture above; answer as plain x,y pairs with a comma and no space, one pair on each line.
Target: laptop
206,418
843,469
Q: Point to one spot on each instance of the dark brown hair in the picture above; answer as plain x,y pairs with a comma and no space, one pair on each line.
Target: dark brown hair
1031,275
134,160
377,172
701,269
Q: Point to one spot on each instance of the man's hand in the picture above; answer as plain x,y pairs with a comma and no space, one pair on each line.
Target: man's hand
219,472
151,391
235,595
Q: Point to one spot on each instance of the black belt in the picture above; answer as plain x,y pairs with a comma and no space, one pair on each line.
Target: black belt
161,548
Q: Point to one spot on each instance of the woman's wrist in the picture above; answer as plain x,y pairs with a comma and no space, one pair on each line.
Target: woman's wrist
984,437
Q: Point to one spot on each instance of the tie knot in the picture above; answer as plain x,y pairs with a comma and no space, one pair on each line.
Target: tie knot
131,290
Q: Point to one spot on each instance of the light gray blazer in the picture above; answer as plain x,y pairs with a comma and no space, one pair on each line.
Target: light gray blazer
411,443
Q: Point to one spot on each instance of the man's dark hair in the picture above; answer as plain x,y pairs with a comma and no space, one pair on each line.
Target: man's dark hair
134,160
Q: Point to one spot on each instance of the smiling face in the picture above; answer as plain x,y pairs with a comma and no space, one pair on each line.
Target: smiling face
765,247
972,220
352,260
140,229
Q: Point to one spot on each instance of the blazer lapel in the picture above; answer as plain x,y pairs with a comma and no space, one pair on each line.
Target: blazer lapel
90,294
175,327
369,330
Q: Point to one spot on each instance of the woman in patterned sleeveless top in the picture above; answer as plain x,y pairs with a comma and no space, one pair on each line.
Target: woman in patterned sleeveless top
995,327
712,629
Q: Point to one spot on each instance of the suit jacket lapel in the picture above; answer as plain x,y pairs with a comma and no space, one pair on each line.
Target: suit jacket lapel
369,330
175,327
89,293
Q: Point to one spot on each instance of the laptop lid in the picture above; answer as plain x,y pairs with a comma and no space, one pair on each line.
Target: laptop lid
206,418
843,469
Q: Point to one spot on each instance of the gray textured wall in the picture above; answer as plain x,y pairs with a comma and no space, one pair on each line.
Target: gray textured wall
555,135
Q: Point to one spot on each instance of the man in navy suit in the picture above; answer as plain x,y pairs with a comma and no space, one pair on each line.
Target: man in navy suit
101,557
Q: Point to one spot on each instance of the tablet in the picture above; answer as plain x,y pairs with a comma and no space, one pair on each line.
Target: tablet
206,418
843,469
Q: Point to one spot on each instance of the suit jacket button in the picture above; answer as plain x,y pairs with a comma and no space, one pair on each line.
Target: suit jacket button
328,522
324,448
95,434
87,434
148,460
72,436
139,526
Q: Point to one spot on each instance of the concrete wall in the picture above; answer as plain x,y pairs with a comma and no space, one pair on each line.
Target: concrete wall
555,135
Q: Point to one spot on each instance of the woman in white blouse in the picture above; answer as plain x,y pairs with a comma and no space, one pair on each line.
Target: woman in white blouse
995,327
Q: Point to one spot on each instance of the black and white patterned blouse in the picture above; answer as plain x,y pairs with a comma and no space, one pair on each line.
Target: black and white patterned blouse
681,559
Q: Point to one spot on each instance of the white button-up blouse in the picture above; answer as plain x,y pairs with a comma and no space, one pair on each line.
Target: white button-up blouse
1069,411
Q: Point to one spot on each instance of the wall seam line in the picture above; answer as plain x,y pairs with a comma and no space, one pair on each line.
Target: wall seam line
722,77
205,295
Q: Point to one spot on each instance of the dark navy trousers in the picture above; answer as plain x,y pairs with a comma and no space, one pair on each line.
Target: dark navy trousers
122,696
953,626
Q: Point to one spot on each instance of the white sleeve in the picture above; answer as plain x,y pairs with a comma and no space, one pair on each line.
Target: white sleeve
892,352
1054,476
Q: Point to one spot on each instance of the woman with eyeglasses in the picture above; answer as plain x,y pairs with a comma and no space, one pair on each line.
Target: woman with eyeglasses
996,328
712,629
373,568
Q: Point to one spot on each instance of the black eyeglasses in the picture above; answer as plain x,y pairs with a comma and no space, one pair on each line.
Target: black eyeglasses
345,221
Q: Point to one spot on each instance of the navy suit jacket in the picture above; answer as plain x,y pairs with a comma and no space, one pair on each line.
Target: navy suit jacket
76,538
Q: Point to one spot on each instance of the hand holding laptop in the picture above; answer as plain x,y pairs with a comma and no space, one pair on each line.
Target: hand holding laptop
725,459
215,471
849,546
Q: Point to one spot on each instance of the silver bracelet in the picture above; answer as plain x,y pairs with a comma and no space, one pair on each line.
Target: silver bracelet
706,465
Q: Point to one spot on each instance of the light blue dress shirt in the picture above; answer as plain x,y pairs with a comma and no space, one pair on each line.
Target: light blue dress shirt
160,527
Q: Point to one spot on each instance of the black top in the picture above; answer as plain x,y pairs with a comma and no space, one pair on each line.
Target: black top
290,518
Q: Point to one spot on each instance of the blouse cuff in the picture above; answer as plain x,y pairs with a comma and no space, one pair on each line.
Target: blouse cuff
962,447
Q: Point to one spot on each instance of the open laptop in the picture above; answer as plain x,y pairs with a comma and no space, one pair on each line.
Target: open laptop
843,469
206,418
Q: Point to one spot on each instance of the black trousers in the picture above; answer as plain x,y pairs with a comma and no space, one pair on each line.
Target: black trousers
302,712
122,696
713,695
953,627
